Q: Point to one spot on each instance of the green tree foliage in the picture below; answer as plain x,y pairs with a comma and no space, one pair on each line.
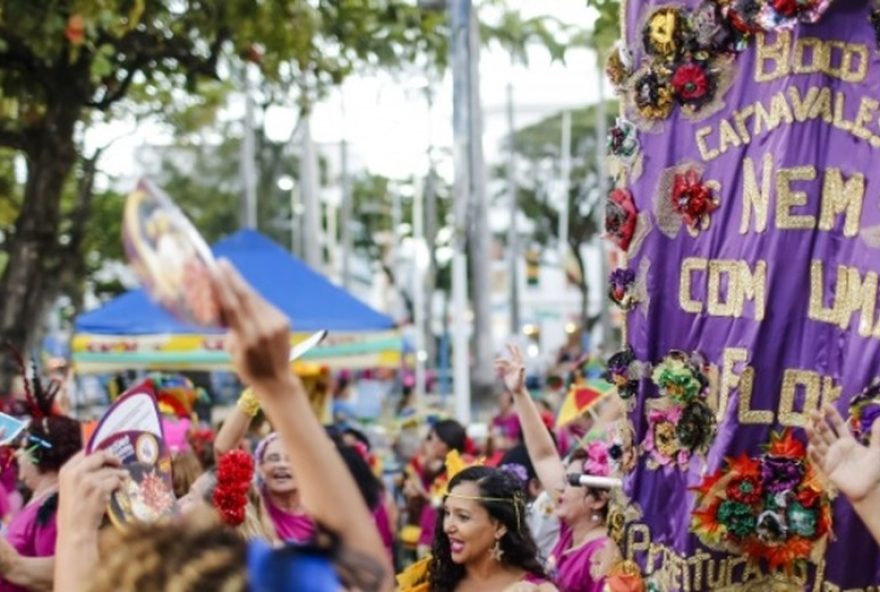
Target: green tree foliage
538,154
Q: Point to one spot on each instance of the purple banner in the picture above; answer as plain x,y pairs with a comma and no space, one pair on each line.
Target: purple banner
748,202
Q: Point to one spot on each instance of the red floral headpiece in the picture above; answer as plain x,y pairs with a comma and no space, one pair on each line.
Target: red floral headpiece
40,400
235,470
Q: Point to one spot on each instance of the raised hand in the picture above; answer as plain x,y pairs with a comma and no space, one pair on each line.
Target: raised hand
853,468
512,370
259,337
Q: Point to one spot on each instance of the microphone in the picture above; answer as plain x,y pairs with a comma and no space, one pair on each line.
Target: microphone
581,479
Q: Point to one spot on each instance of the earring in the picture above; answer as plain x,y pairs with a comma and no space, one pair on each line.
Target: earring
497,551
596,517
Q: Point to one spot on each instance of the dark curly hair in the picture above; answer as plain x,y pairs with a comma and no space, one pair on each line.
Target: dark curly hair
580,454
507,505
65,436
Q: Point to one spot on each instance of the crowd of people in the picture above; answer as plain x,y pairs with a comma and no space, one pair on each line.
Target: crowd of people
304,508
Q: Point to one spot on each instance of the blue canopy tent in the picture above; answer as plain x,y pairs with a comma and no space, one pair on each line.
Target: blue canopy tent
131,331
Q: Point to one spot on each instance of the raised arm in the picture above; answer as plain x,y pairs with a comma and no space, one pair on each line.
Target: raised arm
259,342
542,450
236,425
850,466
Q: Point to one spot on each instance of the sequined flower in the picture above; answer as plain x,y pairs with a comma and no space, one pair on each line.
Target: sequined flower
802,521
618,68
692,199
743,15
737,518
621,217
691,84
623,139
661,440
619,373
777,14
746,489
771,527
787,8
678,378
621,288
696,429
708,30
653,96
662,31
864,410
781,473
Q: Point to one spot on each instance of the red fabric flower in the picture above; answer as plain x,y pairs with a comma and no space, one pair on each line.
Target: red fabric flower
691,197
235,469
787,8
620,217
808,497
746,490
690,83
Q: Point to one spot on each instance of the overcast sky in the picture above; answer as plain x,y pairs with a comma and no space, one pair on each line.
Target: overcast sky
387,121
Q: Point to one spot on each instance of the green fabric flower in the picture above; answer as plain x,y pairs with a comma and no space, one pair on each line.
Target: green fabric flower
737,518
677,380
802,521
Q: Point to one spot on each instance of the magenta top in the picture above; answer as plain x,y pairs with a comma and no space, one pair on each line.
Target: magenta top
289,526
571,569
507,426
29,538
427,523
383,525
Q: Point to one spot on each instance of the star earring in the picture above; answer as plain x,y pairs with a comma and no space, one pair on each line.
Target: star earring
497,551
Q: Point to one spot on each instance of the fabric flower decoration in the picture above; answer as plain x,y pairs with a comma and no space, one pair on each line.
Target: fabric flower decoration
662,32
618,68
864,410
619,373
597,462
621,288
743,15
771,508
235,471
661,441
692,84
679,378
623,139
621,217
708,30
653,96
778,14
692,199
696,429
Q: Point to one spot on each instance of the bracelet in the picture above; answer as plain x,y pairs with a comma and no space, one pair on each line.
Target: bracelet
248,402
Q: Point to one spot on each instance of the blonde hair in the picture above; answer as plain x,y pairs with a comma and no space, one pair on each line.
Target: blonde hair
257,523
185,469
197,554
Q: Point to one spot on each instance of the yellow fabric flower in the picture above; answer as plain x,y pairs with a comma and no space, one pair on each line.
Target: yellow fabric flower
662,28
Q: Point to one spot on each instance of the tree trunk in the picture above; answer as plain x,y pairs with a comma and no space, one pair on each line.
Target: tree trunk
26,287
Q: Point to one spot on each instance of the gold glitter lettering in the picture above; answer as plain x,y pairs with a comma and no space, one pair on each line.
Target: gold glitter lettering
752,572
655,552
633,547
840,121
864,117
739,119
829,587
822,105
713,582
860,295
705,153
830,68
753,198
733,563
719,268
728,136
842,196
817,56
786,198
776,53
729,378
817,310
752,287
831,391
747,415
791,380
696,561
859,51
685,299
802,106
779,112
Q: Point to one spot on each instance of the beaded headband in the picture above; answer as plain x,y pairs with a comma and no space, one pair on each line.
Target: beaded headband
518,501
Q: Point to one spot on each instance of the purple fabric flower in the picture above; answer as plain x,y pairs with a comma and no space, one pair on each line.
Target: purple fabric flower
780,473
517,470
870,412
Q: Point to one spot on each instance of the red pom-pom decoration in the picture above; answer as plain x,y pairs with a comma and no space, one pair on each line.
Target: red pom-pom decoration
235,470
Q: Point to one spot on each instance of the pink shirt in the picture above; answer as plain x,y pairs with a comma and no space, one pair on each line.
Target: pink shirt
383,525
290,527
29,538
570,569
507,426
